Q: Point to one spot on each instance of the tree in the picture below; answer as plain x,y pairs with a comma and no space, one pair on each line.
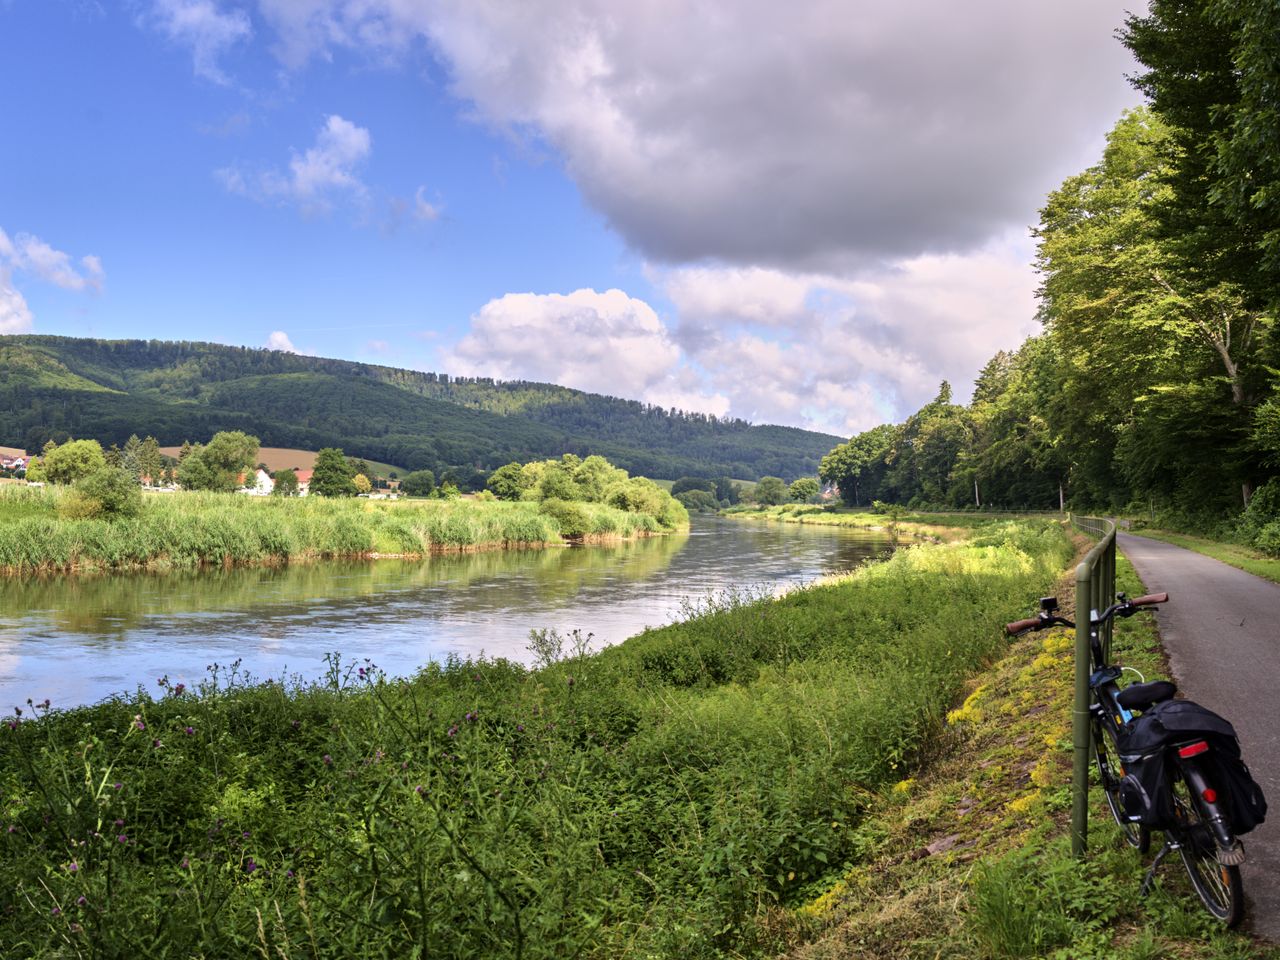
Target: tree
151,460
108,492
220,464
770,491
72,460
857,467
362,483
285,483
331,476
507,482
1130,314
684,484
726,490
803,489
418,483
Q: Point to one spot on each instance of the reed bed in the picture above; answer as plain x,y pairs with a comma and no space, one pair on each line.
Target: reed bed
189,529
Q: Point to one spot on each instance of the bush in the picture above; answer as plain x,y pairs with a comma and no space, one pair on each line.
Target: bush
572,518
108,492
1268,539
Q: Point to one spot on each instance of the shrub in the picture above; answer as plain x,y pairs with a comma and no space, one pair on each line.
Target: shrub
1268,539
572,518
107,492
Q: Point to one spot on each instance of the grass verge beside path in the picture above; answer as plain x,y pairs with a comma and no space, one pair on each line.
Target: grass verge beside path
971,857
679,795
186,529
1235,554
923,526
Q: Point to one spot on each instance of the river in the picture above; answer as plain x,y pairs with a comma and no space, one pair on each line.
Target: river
79,640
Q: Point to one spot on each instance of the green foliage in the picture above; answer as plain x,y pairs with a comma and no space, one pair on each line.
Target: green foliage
332,475
661,798
770,491
219,465
685,484
418,483
508,482
285,483
361,483
108,492
72,460
803,489
570,517
54,386
698,501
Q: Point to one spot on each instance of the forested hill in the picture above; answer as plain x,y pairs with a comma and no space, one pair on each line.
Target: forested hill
54,387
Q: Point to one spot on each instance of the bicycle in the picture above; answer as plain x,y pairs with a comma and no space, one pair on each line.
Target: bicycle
1195,821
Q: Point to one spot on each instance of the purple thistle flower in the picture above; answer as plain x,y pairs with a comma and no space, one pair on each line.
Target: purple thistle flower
419,790
184,864
57,911
179,688
156,744
250,866
123,838
519,728
117,785
81,901
190,731
72,867
453,731
138,722
328,760
44,704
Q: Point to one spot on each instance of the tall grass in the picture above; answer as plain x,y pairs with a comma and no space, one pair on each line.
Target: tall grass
666,797
185,530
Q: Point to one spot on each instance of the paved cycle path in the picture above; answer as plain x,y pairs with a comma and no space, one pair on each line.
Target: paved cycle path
1221,629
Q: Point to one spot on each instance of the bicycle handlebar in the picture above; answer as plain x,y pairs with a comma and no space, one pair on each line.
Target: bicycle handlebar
1125,608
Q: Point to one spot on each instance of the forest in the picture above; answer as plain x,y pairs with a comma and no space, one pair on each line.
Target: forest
60,387
1154,386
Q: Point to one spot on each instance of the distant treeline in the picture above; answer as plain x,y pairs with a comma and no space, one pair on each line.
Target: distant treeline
1156,381
58,387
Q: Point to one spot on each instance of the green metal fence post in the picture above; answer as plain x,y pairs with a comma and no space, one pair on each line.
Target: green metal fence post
1080,734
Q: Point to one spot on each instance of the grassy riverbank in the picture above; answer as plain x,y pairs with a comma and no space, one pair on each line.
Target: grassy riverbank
970,856
184,529
681,794
904,523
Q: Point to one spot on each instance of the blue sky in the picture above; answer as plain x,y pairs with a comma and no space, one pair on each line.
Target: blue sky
806,217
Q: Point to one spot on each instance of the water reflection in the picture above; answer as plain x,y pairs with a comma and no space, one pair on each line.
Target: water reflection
78,640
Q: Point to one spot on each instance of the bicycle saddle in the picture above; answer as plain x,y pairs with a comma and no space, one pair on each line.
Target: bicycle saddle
1140,696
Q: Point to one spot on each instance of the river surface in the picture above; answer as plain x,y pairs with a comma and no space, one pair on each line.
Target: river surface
79,640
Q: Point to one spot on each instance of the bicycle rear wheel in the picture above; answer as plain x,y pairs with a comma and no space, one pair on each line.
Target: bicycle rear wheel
1110,772
1218,885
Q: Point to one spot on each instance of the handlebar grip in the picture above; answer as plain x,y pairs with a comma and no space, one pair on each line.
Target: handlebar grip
1150,599
1019,625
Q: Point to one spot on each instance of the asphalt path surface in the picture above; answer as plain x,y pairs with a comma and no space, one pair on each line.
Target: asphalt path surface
1221,630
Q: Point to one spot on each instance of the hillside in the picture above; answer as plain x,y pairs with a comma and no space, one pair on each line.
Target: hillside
175,391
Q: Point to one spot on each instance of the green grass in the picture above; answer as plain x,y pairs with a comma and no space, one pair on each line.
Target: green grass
676,795
970,857
184,530
1235,554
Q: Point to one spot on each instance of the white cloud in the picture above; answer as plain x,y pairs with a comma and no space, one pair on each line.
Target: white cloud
15,317
323,171
203,26
279,340
761,134
28,254
603,342
32,255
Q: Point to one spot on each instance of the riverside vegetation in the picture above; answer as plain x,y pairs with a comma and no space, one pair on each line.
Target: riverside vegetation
51,529
677,795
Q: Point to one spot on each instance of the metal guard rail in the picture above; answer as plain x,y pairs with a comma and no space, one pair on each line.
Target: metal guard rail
1095,591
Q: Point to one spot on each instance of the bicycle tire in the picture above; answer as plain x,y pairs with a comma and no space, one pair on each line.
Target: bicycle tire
1110,771
1218,886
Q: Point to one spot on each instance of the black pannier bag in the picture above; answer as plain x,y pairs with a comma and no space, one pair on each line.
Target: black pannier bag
1142,744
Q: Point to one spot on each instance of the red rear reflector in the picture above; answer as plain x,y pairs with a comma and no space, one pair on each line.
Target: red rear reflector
1210,795
1193,749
